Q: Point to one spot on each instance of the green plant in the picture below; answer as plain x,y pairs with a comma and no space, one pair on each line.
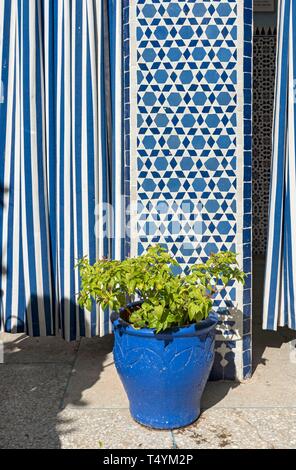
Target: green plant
168,300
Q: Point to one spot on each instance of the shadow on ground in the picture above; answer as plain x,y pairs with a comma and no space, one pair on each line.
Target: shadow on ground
33,384
215,392
44,382
264,339
34,378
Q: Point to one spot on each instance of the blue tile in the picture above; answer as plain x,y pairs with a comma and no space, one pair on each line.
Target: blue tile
247,207
247,265
184,150
248,282
248,311
247,296
248,158
247,342
246,326
248,16
247,372
247,221
247,358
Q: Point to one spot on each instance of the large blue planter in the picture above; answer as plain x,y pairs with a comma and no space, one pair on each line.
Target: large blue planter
164,375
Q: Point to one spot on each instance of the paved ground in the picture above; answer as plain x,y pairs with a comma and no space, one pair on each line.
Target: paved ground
59,395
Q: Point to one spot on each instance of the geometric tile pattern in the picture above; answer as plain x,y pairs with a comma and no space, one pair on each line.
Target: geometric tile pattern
263,89
187,99
186,91
247,187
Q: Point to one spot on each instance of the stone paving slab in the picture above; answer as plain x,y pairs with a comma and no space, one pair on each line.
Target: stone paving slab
60,395
273,428
33,396
30,402
108,429
272,385
94,382
22,349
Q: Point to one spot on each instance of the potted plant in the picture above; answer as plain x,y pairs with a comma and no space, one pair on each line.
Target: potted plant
164,336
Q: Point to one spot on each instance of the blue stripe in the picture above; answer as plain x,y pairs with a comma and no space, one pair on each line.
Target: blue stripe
3,125
281,235
282,89
91,176
114,39
289,307
78,140
48,163
22,323
286,253
43,214
292,190
61,170
106,168
10,245
52,87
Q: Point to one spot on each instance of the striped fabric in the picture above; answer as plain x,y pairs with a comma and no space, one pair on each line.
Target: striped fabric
56,164
115,30
280,277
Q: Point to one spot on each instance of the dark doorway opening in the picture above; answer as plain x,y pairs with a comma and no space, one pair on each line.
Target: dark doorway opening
264,66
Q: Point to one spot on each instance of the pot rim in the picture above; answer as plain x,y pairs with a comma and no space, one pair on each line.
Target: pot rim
194,329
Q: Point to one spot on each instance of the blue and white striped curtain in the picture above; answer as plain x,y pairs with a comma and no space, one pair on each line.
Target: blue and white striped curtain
280,277
58,157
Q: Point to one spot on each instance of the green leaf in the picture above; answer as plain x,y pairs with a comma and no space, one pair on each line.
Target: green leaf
168,299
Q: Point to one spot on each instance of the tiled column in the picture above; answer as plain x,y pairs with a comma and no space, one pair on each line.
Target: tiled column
187,135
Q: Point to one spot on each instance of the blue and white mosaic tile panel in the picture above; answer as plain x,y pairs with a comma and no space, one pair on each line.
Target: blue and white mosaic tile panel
183,105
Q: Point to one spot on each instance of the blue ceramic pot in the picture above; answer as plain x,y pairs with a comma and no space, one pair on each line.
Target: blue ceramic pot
164,375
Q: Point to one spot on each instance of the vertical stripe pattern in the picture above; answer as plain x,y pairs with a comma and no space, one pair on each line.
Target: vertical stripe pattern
280,277
55,161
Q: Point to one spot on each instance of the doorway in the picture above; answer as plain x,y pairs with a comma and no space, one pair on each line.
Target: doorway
264,65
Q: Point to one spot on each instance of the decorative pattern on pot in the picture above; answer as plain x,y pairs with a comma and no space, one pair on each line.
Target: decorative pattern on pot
164,375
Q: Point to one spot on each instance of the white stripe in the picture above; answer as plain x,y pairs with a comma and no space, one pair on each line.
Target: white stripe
84,152
2,97
134,176
99,175
7,157
99,230
279,313
17,188
292,171
59,124
95,86
34,170
23,199
46,84
67,170
119,225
